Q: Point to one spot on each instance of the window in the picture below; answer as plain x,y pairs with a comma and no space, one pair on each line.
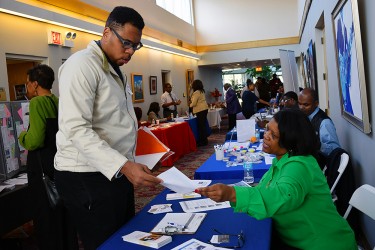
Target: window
181,8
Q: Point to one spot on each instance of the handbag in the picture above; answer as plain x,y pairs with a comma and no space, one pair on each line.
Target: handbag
53,195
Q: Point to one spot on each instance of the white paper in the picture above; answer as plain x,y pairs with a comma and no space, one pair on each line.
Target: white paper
268,159
200,205
245,129
176,181
189,222
194,244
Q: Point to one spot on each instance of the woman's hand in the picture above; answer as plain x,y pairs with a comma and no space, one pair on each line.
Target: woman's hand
218,192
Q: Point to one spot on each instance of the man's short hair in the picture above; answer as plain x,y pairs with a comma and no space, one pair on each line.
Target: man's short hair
121,15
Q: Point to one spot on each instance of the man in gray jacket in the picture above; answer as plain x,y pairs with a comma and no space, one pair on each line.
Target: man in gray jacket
96,140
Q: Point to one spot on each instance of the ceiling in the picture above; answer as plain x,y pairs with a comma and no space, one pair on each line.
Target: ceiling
244,64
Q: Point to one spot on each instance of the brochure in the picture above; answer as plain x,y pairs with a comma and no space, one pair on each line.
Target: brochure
147,239
150,150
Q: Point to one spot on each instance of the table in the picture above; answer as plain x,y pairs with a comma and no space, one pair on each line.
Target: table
193,123
213,170
257,232
178,137
15,208
214,117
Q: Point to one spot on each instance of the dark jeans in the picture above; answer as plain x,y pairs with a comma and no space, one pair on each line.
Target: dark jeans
202,131
231,121
99,206
54,229
167,112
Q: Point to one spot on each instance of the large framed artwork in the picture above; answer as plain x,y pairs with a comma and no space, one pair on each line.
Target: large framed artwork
137,87
153,85
311,67
350,67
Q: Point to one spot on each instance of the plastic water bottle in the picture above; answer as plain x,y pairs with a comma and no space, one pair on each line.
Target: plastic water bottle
248,175
257,134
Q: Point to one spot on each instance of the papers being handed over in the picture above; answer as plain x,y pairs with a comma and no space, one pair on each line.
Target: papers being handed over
176,181
179,223
150,150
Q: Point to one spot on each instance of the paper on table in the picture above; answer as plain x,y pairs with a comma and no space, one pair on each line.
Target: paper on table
196,244
189,222
245,129
150,150
176,181
200,205
268,159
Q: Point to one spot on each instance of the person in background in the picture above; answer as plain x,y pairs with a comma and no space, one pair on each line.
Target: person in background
153,113
95,169
324,128
249,100
138,113
169,102
264,91
293,192
290,100
274,84
280,94
233,105
53,227
200,109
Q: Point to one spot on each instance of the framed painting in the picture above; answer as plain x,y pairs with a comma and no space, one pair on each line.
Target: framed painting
153,85
20,91
350,66
137,87
311,67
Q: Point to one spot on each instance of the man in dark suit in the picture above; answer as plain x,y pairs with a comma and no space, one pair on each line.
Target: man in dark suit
233,105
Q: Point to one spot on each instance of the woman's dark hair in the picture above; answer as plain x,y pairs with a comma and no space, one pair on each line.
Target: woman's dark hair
121,15
154,107
43,74
296,133
138,113
197,85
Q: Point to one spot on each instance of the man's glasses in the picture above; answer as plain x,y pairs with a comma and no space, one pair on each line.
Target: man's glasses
127,44
225,238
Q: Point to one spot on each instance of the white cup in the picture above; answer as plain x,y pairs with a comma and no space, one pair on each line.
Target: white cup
219,153
157,122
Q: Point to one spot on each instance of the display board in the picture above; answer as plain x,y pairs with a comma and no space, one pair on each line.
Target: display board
20,115
9,158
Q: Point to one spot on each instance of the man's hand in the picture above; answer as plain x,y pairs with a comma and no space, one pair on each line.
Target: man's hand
139,174
218,192
178,102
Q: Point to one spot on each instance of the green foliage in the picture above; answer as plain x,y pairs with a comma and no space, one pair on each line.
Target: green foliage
267,72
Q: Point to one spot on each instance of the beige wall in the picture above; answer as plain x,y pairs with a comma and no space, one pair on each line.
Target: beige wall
28,39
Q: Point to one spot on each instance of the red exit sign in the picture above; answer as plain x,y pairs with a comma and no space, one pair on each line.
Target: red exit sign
54,38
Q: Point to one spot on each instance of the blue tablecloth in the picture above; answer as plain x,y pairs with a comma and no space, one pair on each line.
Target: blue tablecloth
214,170
194,127
257,233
